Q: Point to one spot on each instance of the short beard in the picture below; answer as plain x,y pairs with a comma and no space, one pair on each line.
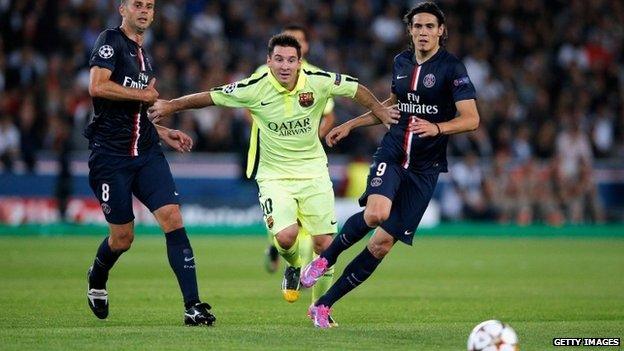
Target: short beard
139,29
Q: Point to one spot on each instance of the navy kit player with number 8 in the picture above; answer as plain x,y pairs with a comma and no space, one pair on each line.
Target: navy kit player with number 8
432,91
126,159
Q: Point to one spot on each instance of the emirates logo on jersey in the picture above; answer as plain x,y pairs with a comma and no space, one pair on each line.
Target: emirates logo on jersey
306,99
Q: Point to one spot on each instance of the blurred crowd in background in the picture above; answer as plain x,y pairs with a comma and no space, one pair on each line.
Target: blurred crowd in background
549,77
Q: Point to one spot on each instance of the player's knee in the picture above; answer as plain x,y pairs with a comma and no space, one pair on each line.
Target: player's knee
380,249
121,241
175,219
170,217
286,238
321,242
375,216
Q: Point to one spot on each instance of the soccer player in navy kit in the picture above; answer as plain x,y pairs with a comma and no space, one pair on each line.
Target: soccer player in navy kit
126,159
435,97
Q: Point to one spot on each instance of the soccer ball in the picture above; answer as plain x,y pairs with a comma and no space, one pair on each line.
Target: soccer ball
493,335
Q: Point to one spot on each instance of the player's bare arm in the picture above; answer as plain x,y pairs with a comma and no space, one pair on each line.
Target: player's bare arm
101,86
165,108
364,120
466,120
327,123
365,98
178,140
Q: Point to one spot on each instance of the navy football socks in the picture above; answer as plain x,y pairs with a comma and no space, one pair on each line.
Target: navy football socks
362,266
354,229
182,262
105,258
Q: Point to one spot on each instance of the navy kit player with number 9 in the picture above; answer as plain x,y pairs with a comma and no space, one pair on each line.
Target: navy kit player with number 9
434,95
126,159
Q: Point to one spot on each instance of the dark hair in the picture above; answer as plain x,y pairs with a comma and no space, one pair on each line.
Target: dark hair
296,27
284,40
431,8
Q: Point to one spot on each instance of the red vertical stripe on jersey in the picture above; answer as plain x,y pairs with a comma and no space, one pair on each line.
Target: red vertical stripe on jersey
141,60
136,128
415,76
407,142
134,145
407,138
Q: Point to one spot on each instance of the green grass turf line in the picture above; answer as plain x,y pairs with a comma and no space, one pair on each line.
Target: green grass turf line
425,297
614,230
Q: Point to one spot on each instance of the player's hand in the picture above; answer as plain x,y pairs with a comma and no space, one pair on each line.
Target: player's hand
338,133
159,110
423,128
150,95
178,140
388,115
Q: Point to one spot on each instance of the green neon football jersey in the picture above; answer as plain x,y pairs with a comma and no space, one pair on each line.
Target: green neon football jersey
286,145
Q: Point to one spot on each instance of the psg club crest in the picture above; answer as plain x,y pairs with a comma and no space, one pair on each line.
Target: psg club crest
105,208
429,80
306,99
375,182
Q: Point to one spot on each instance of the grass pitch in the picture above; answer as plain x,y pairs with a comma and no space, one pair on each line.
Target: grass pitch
427,297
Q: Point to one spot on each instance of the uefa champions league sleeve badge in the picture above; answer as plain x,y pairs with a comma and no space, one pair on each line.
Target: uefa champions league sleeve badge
106,51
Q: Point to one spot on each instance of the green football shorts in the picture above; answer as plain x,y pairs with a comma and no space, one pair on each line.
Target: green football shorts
311,201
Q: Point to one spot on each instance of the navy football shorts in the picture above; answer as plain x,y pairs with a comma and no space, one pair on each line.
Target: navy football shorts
114,179
409,191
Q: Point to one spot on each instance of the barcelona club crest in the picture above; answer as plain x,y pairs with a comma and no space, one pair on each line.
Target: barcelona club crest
306,99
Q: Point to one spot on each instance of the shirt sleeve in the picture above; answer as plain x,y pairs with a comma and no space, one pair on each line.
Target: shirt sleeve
343,85
105,51
237,94
461,86
329,106
261,69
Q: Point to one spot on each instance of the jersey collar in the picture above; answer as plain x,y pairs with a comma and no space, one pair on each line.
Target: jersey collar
431,59
126,37
299,86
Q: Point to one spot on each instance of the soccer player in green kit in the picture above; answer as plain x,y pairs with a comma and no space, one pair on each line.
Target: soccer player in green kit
304,239
290,167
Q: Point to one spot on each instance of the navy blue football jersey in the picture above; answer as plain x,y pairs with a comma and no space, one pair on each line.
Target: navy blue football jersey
427,91
121,127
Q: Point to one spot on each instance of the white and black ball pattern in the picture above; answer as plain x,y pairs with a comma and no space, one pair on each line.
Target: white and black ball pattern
106,51
493,335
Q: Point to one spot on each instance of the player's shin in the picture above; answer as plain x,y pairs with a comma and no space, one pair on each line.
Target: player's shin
182,263
304,241
104,261
291,255
323,284
354,229
362,266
